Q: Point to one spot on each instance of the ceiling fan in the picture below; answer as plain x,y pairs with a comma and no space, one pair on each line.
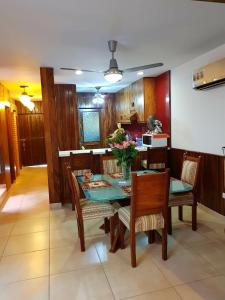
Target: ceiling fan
114,74
215,1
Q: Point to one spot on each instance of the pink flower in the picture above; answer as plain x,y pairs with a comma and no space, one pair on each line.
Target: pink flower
118,146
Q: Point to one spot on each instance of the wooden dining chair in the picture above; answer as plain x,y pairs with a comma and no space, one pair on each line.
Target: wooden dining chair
77,172
156,159
190,174
86,209
147,211
108,164
80,162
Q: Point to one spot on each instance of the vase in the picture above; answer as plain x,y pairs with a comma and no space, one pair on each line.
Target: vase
126,170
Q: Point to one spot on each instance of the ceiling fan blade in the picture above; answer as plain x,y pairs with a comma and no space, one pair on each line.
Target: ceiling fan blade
83,70
141,68
215,1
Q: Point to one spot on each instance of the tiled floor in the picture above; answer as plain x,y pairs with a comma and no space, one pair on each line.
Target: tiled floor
41,259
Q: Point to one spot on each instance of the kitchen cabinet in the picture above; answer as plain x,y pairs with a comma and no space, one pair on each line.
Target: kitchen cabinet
138,97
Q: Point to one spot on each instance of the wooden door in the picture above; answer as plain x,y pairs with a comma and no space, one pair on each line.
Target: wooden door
31,139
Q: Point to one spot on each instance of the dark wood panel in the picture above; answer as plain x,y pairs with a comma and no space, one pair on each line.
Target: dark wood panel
21,109
66,116
211,177
50,128
9,120
5,148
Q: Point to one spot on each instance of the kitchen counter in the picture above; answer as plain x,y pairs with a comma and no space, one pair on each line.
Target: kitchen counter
66,153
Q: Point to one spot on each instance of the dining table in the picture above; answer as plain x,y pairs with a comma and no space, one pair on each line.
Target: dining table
114,189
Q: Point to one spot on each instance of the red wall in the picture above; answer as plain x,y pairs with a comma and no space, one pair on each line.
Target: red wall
162,96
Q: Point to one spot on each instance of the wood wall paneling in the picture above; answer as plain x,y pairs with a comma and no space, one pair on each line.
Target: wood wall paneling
138,97
5,147
211,180
66,116
50,128
149,97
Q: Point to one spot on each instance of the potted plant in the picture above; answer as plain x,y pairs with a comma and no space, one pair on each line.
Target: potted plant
123,149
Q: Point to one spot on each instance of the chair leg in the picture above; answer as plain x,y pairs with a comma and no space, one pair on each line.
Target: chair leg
180,213
106,225
164,243
169,220
81,236
151,236
122,230
194,217
133,249
112,229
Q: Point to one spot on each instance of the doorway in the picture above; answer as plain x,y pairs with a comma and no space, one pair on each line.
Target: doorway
31,135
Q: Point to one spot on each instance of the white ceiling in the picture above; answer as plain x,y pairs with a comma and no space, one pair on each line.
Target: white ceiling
74,33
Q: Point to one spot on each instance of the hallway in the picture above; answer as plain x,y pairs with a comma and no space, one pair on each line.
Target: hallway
41,259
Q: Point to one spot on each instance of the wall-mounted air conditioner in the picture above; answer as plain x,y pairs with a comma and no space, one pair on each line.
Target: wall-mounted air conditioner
209,76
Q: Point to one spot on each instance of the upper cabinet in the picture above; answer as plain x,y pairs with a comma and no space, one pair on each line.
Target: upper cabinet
138,97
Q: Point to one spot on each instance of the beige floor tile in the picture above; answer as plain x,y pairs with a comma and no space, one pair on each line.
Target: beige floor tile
167,294
125,280
30,226
208,289
63,238
3,242
71,258
27,243
34,289
24,266
24,215
5,229
83,284
92,227
183,266
188,238
63,222
213,252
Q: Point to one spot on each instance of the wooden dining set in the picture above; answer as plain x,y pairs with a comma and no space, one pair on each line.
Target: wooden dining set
141,204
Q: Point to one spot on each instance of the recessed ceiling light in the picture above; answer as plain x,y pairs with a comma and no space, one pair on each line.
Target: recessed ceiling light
78,72
140,73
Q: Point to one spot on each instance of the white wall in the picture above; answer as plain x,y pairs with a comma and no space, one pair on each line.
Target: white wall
197,117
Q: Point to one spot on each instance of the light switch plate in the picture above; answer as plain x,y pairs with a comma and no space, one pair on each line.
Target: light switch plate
223,195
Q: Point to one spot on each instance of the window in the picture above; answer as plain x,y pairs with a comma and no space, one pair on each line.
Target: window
91,126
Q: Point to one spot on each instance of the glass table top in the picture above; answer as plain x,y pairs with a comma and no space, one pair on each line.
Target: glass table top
115,189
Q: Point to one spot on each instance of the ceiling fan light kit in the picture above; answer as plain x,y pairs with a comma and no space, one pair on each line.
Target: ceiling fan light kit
98,97
25,98
114,74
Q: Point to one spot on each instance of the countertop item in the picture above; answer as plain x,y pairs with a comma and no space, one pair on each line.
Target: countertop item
95,151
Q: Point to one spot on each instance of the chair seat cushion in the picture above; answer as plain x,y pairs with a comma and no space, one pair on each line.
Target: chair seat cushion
95,210
144,223
80,172
181,199
153,166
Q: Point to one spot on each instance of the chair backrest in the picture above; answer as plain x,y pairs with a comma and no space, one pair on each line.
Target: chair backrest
74,186
81,161
191,170
150,194
108,164
157,158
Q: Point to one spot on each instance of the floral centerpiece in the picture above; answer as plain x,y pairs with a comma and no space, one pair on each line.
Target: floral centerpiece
123,149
